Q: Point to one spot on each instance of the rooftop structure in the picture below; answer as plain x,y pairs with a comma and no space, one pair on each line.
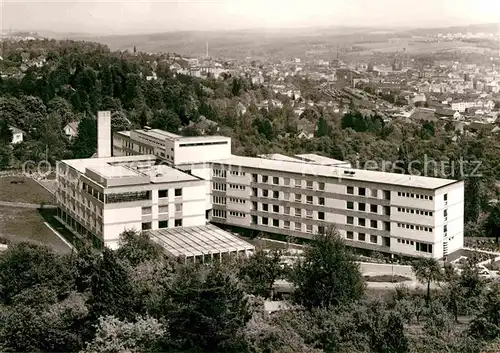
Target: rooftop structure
200,244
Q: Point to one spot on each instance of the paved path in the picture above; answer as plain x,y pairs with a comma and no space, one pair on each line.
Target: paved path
24,205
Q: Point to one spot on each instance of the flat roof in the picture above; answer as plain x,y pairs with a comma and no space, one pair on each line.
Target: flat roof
316,158
93,163
165,174
278,157
129,166
197,241
113,171
159,134
338,172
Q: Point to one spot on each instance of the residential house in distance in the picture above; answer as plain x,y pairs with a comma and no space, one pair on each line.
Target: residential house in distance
71,129
17,135
240,109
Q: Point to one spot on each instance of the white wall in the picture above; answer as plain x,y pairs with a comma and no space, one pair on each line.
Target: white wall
197,154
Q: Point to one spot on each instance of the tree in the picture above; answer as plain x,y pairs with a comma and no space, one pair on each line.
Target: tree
427,270
492,223
138,247
114,335
85,143
322,127
260,271
206,310
328,275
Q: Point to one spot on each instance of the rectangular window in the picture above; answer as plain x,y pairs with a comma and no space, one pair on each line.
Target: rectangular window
163,194
146,226
387,226
361,206
321,230
163,224
286,224
286,181
321,215
286,210
387,194
445,213
361,191
178,192
374,208
276,223
265,221
373,239
309,228
265,207
321,186
178,223
446,197
373,224
321,201
146,211
254,178
276,209
298,183
276,194
178,207
350,205
265,193
374,192
298,212
362,222
350,190
298,198
309,199
162,209
286,196
298,226
265,178
387,210
445,228
350,220
276,180
361,236
309,184
309,214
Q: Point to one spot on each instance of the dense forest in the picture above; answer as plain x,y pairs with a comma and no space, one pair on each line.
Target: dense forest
136,300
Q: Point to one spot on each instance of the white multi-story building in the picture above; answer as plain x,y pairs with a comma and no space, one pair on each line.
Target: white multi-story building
99,198
301,195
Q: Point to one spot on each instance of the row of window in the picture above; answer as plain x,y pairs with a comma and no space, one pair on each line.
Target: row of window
237,187
164,193
286,210
219,173
236,200
297,226
414,227
286,196
373,208
373,192
219,213
364,237
298,183
219,200
362,222
236,214
415,196
161,209
219,186
414,211
161,224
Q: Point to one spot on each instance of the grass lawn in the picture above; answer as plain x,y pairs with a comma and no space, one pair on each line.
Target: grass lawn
22,224
28,191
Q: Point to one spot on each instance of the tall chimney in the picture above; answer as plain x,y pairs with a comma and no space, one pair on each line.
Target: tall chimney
104,134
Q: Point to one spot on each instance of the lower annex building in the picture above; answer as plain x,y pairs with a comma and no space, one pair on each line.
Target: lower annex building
301,195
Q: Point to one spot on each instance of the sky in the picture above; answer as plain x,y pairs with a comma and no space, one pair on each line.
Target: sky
149,16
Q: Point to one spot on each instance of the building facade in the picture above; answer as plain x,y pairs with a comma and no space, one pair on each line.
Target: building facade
300,196
99,198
